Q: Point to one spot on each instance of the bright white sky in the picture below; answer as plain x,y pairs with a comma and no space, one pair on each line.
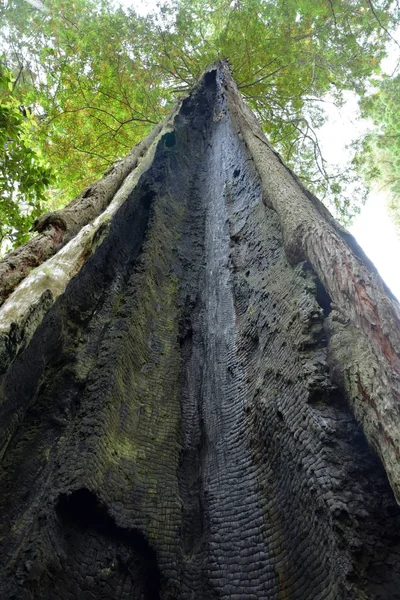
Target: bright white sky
373,227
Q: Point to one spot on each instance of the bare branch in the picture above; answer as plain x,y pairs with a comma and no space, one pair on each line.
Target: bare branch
381,24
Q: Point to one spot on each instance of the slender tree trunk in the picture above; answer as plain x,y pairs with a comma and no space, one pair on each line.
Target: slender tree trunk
199,391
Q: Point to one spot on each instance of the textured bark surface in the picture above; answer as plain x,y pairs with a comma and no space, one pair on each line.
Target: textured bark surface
179,426
365,354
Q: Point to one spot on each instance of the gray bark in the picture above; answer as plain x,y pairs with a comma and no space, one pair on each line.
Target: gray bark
195,414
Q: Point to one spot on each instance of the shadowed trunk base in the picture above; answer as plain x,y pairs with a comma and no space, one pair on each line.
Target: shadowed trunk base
176,430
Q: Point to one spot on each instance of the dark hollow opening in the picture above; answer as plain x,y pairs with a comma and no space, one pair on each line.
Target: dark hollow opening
323,299
83,509
170,139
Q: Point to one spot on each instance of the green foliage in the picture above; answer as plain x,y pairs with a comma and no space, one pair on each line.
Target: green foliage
81,67
99,76
378,156
24,174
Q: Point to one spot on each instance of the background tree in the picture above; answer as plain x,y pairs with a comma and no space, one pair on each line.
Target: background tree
24,174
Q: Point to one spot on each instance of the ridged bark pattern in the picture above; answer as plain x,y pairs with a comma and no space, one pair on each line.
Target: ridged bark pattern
178,434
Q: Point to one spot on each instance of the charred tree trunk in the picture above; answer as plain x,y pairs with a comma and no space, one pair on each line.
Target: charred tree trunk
200,390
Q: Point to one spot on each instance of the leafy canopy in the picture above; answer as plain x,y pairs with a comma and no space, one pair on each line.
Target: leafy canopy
99,76
24,174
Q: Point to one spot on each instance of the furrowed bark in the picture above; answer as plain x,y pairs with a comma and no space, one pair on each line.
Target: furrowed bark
358,294
178,398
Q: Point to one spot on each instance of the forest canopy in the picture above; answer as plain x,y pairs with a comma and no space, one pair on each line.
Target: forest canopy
90,79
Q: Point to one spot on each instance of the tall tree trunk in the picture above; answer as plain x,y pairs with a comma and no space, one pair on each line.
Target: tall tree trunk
199,391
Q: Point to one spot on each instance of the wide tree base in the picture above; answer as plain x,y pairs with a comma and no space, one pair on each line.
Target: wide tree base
178,426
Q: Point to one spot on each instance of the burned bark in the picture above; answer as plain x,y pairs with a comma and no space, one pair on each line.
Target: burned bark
191,412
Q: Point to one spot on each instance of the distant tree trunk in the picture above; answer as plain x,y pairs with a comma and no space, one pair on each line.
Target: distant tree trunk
200,390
